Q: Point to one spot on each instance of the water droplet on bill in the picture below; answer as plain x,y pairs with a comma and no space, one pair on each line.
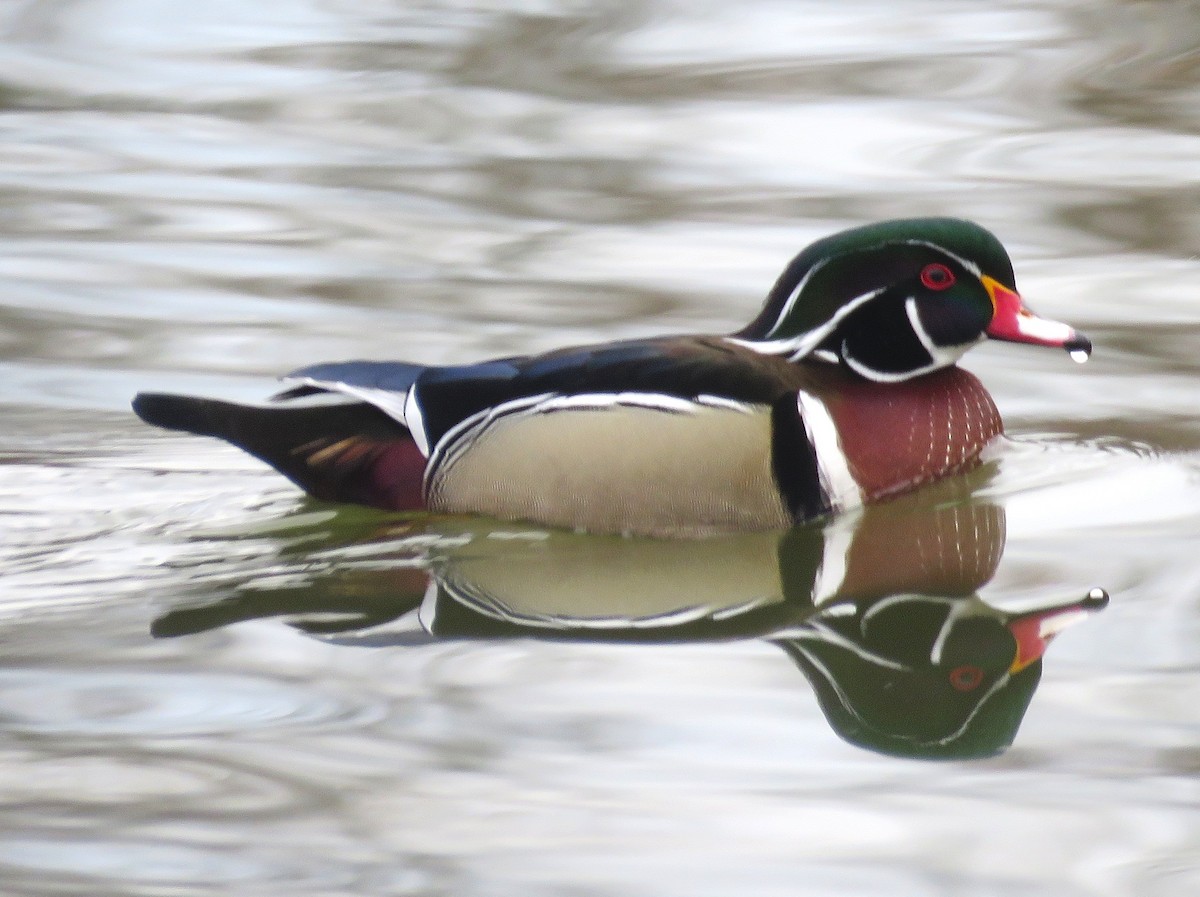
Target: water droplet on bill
1079,356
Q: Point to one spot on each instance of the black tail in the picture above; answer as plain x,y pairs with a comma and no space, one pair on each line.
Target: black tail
339,451
204,417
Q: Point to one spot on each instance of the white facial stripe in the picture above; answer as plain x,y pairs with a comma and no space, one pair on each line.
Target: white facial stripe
812,339
914,319
794,295
767,347
796,347
942,356
790,302
882,376
966,263
833,468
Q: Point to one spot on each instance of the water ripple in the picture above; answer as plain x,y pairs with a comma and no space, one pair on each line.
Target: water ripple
138,702
201,196
1054,485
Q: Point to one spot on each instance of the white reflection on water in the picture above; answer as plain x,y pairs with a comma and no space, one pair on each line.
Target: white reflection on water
198,196
138,703
715,33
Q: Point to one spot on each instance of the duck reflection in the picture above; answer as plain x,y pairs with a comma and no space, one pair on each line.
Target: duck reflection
879,611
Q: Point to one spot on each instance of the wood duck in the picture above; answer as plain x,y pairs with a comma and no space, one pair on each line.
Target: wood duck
879,610
932,678
843,390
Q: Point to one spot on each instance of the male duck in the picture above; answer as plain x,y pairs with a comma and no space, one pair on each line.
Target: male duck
843,390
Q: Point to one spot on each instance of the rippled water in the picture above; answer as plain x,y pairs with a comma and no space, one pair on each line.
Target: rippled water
211,684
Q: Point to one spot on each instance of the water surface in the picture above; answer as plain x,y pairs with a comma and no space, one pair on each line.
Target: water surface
211,683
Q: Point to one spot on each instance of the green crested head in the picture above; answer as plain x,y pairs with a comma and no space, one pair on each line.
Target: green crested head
897,299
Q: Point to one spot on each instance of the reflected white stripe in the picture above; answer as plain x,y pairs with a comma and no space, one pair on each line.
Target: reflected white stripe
839,537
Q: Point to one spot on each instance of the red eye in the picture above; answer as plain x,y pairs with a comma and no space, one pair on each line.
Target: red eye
966,678
937,276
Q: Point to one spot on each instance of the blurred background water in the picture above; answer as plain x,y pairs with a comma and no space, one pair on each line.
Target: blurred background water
202,196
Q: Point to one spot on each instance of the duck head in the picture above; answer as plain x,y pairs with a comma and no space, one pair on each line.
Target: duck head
898,299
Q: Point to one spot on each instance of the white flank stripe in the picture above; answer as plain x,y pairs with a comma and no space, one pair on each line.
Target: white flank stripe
599,400
547,403
722,402
834,470
459,438
463,434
